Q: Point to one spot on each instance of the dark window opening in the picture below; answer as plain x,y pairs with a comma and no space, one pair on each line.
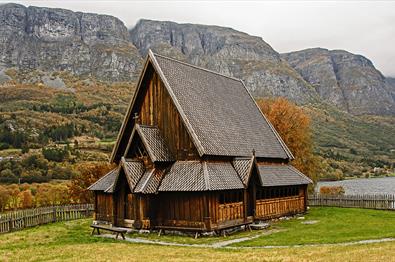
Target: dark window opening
276,192
230,197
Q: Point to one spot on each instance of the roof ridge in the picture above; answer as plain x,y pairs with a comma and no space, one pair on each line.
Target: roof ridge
146,181
206,176
197,67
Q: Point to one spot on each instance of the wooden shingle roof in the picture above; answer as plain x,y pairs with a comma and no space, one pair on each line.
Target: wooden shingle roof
150,182
243,167
154,143
218,112
134,170
106,183
201,176
281,175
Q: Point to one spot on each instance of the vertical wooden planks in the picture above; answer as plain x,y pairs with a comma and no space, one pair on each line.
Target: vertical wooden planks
20,219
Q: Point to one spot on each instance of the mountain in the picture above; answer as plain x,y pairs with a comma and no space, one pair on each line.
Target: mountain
48,39
346,80
37,42
67,74
227,51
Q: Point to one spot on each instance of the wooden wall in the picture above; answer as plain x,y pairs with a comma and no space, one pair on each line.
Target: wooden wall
181,209
158,110
103,206
281,206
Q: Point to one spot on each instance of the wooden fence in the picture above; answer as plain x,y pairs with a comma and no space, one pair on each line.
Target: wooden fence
386,202
20,219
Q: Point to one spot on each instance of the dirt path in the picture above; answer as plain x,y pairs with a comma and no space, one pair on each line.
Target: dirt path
225,244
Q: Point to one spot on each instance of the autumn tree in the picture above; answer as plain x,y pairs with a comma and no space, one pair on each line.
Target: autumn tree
87,175
4,197
14,195
26,198
293,125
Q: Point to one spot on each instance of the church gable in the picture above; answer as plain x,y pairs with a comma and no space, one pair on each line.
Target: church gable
158,110
200,114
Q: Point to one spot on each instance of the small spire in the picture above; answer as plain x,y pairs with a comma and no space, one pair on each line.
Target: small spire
253,152
136,118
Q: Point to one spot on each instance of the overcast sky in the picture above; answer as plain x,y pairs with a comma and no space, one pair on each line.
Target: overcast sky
362,27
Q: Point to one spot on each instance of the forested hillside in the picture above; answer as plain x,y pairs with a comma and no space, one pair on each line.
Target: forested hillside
66,79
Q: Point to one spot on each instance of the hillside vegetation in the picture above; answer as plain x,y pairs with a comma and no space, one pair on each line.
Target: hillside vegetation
80,123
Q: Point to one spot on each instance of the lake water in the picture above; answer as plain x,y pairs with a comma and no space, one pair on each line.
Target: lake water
371,186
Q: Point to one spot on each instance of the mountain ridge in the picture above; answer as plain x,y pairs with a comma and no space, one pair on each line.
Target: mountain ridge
97,46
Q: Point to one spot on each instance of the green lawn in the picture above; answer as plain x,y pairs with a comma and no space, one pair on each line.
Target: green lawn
72,241
334,225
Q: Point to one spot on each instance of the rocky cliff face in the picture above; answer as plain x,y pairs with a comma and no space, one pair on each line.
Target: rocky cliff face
49,39
100,46
347,80
227,51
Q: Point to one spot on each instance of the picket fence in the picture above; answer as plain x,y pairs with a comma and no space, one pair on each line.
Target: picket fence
386,202
20,219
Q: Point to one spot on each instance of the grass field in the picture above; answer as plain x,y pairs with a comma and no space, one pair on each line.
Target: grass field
72,241
334,225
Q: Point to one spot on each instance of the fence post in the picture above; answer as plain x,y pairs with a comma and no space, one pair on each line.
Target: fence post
54,214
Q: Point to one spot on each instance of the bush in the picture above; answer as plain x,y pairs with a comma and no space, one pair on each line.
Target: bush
55,153
332,190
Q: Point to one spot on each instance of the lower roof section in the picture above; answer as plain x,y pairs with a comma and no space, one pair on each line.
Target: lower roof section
201,176
281,175
184,176
106,183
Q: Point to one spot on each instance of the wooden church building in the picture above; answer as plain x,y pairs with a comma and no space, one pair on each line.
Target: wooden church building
196,153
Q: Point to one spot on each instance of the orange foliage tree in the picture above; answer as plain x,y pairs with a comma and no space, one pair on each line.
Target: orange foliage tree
332,190
4,197
87,175
293,125
26,198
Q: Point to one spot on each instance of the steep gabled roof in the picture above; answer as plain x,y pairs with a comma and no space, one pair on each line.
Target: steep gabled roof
218,112
281,175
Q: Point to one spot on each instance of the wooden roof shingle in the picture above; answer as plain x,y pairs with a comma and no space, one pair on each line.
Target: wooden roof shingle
218,112
154,143
106,183
281,175
134,170
201,176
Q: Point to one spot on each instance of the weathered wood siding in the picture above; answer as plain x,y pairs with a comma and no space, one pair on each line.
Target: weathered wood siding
158,110
20,219
386,202
281,206
178,209
230,213
103,207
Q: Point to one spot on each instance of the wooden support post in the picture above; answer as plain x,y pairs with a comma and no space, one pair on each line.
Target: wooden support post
245,203
206,212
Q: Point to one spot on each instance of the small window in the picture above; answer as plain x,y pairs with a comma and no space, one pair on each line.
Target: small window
230,197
